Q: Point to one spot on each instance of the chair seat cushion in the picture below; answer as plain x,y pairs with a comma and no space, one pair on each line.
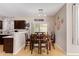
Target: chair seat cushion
43,44
35,44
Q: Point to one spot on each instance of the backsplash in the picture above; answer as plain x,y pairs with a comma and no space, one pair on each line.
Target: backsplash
8,25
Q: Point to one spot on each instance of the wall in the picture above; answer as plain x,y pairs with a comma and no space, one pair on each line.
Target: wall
50,21
61,33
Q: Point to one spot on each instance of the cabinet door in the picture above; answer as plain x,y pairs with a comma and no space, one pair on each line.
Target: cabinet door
1,40
8,45
1,25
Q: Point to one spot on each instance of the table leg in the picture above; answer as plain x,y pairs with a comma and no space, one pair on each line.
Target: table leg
49,46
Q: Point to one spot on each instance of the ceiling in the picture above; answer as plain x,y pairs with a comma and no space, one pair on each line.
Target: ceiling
28,9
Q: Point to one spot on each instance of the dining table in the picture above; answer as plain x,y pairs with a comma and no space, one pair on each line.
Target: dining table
45,38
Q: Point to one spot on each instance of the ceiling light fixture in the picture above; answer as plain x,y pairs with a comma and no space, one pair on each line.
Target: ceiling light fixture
41,12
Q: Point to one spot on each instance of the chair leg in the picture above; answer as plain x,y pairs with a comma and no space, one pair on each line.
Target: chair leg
53,45
25,45
47,48
31,48
31,51
39,48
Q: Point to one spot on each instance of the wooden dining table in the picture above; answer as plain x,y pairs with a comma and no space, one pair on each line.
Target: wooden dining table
46,38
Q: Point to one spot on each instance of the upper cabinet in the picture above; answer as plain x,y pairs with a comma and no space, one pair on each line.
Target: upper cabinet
19,24
1,26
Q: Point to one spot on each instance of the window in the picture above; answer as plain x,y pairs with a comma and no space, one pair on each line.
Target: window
39,27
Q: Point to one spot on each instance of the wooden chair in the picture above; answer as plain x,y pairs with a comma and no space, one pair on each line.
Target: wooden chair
43,42
53,40
33,42
40,40
27,41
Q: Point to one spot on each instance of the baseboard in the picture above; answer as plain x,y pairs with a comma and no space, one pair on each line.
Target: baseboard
60,48
73,54
19,49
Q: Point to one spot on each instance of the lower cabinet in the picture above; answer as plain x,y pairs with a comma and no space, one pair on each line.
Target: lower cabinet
1,40
8,45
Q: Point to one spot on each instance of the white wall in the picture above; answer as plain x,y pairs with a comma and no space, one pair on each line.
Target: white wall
61,33
50,21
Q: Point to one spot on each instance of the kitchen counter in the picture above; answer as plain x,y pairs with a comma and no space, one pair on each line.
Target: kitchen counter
19,41
1,38
14,43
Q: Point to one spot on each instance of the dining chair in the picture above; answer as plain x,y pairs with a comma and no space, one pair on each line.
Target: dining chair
34,42
43,43
53,40
27,40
